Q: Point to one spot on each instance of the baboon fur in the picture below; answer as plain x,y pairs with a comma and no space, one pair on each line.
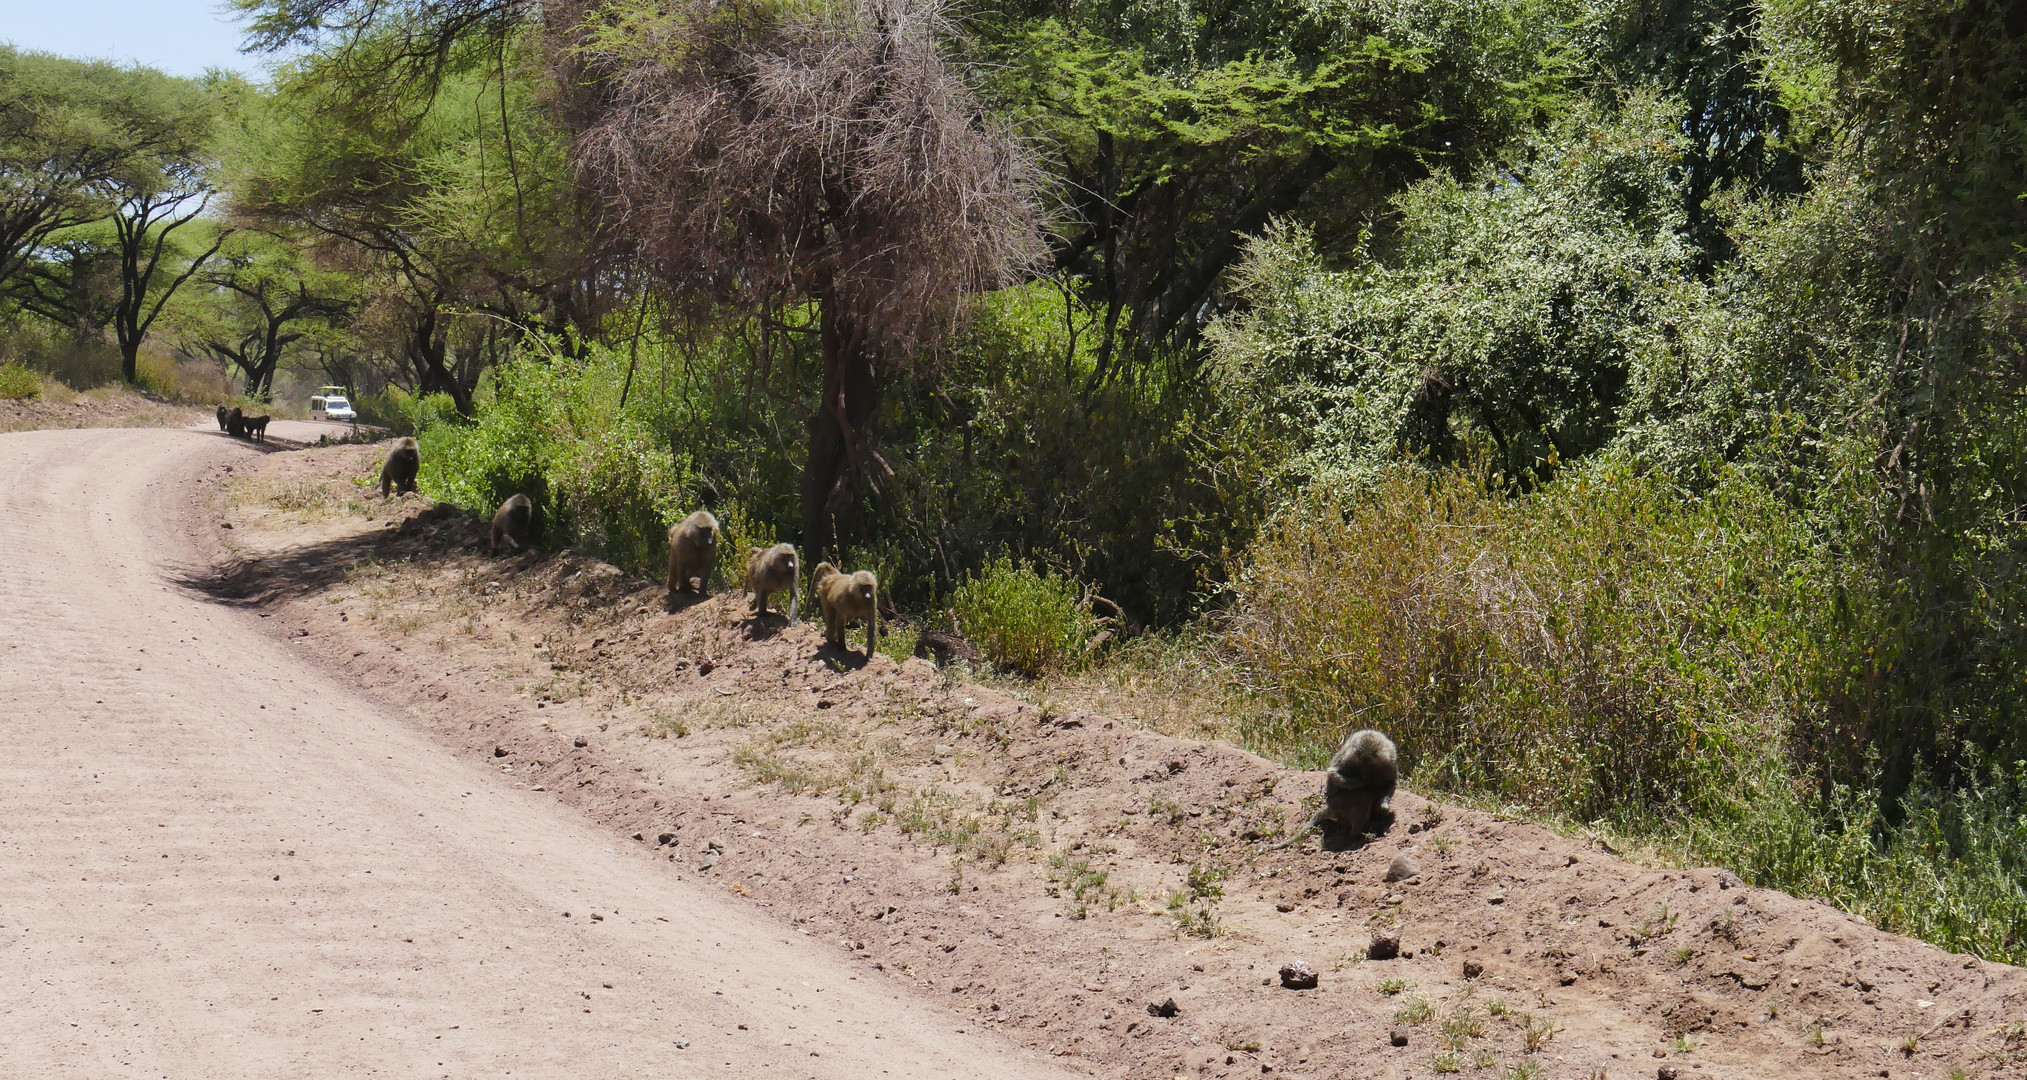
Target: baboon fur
255,427
233,426
403,462
770,570
223,412
510,521
693,551
1358,789
845,597
1358,793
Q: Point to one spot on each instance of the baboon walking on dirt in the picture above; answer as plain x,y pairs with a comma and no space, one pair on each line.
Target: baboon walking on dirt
403,462
511,520
845,597
693,552
770,570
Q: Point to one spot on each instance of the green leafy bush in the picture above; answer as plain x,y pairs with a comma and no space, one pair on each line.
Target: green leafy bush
1605,647
17,383
1025,622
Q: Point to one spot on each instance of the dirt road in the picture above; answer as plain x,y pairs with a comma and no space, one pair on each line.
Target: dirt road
216,861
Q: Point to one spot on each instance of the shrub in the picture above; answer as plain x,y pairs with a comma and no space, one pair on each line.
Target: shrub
1025,622
17,383
1606,647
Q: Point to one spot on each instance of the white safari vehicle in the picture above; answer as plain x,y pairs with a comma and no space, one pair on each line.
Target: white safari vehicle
329,403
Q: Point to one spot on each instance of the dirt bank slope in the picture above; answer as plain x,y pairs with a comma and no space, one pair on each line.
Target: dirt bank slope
1054,874
217,860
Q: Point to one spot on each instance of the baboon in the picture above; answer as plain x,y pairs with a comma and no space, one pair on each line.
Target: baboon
693,551
1358,792
255,427
510,521
233,425
770,570
845,597
403,462
223,412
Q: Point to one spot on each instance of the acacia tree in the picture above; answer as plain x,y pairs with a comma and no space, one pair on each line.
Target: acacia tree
796,167
266,292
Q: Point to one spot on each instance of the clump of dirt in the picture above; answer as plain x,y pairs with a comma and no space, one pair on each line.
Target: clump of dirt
1092,888
107,406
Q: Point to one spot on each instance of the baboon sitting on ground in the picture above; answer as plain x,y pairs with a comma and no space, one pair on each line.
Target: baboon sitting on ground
1358,792
403,462
845,597
693,552
511,520
770,570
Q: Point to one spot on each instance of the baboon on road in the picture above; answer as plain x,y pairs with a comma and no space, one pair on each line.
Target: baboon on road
510,521
223,413
403,462
234,426
770,570
845,597
693,551
255,427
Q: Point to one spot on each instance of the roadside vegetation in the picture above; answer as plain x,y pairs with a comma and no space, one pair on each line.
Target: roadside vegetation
1618,404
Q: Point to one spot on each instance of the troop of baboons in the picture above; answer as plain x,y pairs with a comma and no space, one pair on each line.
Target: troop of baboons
241,426
1358,787
693,555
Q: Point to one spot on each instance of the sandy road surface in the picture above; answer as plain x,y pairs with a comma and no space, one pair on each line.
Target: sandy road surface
216,861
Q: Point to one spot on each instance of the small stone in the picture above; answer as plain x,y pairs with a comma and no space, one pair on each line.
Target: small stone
1665,1072
682,1044
1399,1037
1298,975
1473,969
580,741
1728,880
1498,897
709,860
705,667
1386,945
499,751
1165,1009
1285,906
716,843
1403,867
664,839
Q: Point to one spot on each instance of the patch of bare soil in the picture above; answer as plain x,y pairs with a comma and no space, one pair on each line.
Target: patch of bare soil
1089,888
107,406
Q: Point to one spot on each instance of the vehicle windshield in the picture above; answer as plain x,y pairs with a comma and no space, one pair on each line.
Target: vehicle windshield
335,403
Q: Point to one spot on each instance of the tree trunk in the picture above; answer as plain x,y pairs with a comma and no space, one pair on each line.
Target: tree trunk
840,433
432,375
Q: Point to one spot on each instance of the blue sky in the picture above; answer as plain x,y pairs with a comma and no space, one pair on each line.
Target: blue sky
182,37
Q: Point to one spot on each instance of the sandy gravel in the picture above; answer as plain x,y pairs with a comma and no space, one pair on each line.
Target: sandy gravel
219,861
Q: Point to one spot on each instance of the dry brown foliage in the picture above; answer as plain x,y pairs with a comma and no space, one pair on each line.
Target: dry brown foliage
763,154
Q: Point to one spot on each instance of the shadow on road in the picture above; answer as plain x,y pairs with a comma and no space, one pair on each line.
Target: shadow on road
311,568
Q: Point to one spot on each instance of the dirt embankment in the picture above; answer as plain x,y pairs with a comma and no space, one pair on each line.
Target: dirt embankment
1092,890
105,407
